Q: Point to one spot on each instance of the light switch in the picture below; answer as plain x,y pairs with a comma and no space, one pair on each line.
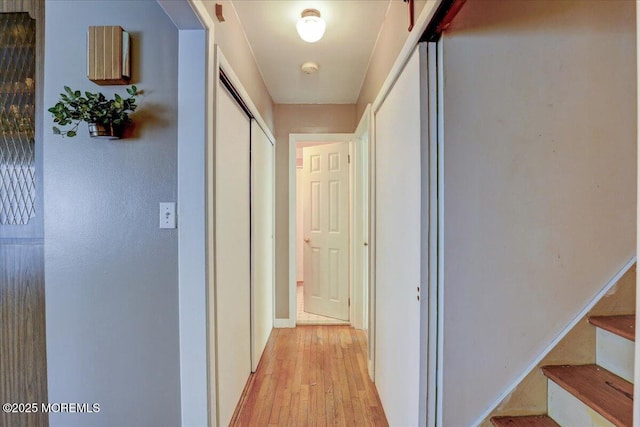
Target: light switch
167,215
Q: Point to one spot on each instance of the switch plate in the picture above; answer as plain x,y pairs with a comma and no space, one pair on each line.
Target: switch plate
167,215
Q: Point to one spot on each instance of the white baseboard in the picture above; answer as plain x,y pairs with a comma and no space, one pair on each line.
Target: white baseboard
555,342
284,323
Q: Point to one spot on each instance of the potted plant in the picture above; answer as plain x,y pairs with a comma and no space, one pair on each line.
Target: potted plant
106,117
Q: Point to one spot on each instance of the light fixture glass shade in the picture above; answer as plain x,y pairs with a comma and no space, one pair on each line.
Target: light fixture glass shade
311,26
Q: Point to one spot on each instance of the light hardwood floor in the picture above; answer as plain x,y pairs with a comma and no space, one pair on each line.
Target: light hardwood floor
312,376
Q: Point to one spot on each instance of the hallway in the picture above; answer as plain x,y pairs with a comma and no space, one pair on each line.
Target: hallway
312,376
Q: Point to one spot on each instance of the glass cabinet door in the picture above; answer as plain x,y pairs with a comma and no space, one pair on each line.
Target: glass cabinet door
17,118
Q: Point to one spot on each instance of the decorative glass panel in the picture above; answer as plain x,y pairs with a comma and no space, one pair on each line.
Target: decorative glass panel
17,117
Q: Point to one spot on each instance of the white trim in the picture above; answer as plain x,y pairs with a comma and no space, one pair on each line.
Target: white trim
372,247
359,216
408,48
556,340
284,323
294,138
213,81
209,111
366,125
353,300
433,236
441,236
427,236
235,81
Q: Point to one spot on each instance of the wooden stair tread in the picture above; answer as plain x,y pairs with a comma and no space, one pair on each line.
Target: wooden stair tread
606,393
625,325
526,421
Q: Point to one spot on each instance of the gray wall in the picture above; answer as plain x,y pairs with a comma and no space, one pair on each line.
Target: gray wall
539,179
111,274
191,226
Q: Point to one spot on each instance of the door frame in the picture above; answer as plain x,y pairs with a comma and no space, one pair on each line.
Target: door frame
362,299
294,138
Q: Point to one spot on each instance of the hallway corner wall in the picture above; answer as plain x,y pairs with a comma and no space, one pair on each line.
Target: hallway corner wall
111,273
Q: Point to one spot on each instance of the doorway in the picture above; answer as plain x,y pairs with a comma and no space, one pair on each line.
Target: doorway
322,232
356,284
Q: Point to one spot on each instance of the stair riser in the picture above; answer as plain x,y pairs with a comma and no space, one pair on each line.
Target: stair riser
615,354
567,410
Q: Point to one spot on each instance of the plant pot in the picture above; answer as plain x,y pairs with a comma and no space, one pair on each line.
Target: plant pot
102,131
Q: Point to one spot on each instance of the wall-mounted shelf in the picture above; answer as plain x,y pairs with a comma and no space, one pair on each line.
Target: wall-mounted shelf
108,60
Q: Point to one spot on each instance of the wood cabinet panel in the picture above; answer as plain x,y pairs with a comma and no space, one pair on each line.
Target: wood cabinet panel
23,361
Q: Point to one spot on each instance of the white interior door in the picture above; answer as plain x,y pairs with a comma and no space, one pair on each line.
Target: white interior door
233,266
325,180
262,249
397,252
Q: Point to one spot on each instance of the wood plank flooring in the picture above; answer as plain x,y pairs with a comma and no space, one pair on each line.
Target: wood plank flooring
312,376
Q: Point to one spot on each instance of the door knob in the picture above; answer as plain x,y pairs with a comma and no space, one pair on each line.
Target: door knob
366,244
307,240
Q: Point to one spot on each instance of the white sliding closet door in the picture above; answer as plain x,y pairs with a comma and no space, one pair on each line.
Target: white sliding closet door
233,267
397,254
262,250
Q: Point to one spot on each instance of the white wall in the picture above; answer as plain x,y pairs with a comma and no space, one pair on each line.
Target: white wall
111,274
539,181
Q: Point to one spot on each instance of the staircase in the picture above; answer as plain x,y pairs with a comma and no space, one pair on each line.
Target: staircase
590,395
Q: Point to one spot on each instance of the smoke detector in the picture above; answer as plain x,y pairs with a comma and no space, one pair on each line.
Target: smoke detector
309,67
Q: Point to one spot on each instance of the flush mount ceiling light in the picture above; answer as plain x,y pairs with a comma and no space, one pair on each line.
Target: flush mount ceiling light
311,26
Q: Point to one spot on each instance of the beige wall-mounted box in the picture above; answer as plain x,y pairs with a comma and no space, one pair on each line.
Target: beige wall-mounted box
108,61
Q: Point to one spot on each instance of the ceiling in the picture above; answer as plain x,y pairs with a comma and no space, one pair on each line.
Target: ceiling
342,54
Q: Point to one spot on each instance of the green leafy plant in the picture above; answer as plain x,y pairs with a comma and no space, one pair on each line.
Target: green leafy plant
73,108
